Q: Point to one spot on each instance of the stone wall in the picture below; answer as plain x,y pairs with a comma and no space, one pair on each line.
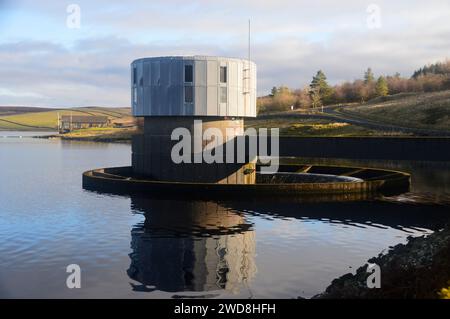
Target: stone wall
392,148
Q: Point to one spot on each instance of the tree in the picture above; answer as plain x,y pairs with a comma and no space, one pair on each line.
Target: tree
368,76
274,91
303,99
316,100
319,90
382,88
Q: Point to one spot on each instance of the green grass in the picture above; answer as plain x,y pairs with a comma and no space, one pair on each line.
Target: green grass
48,120
100,134
314,127
419,110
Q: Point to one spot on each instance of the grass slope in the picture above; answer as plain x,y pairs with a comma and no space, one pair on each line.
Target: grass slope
314,127
99,134
419,110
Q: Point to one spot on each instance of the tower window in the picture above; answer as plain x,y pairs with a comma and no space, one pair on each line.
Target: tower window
223,74
188,73
188,94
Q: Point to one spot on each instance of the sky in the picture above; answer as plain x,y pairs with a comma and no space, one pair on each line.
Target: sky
49,57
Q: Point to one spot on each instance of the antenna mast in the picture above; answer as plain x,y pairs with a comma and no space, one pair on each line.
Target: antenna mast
246,70
249,41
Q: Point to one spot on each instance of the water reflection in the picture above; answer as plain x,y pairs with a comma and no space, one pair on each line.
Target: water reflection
190,246
427,178
375,213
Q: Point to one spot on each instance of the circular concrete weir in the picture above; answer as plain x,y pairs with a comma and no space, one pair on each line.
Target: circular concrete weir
300,181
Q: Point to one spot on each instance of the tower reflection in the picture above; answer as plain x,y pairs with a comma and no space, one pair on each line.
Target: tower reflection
190,246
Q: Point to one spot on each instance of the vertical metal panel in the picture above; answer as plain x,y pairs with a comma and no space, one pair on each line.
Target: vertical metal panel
147,68
200,100
154,98
146,107
133,107
200,76
212,100
233,89
171,106
155,73
177,82
140,88
200,73
212,91
164,102
145,100
164,73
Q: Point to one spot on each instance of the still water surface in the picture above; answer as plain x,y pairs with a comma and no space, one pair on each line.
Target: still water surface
139,247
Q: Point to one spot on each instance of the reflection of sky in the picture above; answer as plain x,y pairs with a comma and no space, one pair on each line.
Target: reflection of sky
47,222
307,253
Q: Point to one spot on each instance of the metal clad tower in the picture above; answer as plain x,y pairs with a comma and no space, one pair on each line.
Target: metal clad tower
172,92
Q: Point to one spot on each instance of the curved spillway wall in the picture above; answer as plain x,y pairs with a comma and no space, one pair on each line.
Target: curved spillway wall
369,183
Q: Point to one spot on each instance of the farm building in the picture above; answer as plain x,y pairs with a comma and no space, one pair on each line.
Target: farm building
68,123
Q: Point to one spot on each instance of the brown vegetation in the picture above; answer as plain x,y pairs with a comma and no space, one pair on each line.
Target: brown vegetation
431,78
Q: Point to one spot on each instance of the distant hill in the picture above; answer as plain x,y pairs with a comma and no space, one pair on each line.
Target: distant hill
17,118
12,110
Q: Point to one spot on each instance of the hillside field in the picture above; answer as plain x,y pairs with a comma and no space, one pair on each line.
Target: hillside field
35,119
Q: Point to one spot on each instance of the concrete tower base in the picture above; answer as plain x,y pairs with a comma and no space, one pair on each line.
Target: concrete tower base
151,152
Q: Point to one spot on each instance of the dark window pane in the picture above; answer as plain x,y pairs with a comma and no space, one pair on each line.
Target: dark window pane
223,95
134,76
188,74
188,94
223,74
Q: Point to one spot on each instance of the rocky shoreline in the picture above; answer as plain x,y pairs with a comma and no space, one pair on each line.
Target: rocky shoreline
418,270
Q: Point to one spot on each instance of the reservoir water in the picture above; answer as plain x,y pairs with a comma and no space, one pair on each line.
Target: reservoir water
140,247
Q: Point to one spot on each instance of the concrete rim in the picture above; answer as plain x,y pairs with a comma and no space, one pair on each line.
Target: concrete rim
376,182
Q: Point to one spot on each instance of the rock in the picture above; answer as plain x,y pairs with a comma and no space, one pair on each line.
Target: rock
419,269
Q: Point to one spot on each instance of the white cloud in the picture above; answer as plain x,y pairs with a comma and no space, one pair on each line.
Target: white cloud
291,41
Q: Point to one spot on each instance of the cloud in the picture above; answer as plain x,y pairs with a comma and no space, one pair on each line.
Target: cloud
45,63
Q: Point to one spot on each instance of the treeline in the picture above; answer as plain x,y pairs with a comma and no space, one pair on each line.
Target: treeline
431,78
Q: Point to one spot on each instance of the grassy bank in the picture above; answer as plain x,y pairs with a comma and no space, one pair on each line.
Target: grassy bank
415,110
315,127
107,135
